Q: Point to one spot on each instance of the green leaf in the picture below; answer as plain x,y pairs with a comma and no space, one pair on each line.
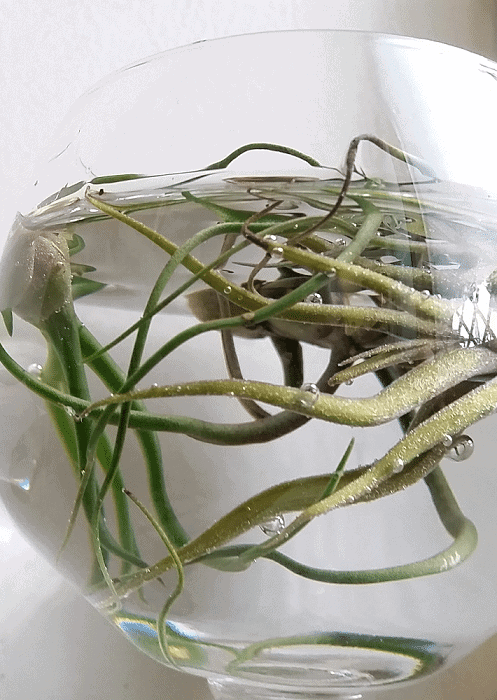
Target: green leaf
81,287
108,179
75,244
8,320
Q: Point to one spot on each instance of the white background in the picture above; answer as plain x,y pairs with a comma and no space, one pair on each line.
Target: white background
53,646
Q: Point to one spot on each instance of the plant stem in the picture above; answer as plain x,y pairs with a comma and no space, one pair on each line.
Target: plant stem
61,332
108,371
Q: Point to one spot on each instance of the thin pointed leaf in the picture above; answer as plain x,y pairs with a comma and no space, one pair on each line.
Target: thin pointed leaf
8,320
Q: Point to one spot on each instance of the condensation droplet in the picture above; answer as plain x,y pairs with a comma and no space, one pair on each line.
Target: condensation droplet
447,440
273,526
425,293
277,252
270,238
349,382
310,395
70,411
341,241
154,385
462,448
314,298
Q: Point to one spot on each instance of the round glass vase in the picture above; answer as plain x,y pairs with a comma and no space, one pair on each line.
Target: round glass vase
249,310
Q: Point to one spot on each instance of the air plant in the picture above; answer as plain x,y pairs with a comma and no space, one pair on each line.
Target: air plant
350,268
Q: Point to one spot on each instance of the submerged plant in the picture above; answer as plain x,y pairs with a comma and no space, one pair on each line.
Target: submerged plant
352,265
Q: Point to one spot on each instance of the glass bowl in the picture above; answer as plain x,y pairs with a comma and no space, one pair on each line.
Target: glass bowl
249,310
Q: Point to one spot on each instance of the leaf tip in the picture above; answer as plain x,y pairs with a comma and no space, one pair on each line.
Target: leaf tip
8,320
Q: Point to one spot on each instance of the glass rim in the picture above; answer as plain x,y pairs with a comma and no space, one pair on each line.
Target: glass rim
386,37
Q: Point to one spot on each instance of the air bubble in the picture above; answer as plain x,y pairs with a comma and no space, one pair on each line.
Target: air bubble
462,448
425,293
447,441
310,395
270,238
314,298
274,526
398,466
227,290
35,369
349,382
70,411
277,252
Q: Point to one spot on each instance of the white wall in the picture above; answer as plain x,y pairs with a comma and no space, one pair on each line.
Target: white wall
52,646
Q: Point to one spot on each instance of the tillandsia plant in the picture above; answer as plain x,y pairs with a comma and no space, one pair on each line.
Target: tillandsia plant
350,264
